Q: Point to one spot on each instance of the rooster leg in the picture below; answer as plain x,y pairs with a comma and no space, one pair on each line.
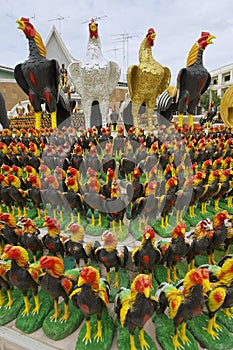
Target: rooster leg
38,213
79,218
37,304
132,342
87,337
183,335
227,312
180,119
54,214
71,217
19,212
2,299
209,328
54,120
61,215
10,299
120,225
116,284
163,222
92,219
146,221
166,221
24,212
193,263
57,311
215,325
99,220
143,343
169,275
37,120
66,312
203,208
27,306
174,275
216,204
190,119
98,335
177,216
114,226
175,341
229,202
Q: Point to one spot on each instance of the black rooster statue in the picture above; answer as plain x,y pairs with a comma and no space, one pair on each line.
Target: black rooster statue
192,82
39,78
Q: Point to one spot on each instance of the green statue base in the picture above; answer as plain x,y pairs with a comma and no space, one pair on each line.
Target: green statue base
31,323
107,334
123,338
224,338
165,330
9,314
59,330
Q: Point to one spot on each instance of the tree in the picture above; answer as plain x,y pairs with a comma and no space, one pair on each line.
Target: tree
205,100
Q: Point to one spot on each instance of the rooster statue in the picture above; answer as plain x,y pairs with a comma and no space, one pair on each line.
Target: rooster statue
39,78
226,107
135,306
94,78
147,80
192,82
186,304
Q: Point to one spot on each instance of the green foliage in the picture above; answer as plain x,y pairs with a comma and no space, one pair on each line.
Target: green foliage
205,100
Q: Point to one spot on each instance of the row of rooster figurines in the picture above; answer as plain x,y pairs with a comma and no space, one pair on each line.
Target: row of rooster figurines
48,273
64,174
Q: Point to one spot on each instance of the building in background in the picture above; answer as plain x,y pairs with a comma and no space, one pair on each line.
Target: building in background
221,79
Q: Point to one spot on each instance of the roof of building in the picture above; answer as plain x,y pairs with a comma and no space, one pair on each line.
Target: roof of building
55,45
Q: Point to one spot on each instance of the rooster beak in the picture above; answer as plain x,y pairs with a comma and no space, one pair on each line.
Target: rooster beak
153,36
209,40
21,24
147,292
4,256
206,285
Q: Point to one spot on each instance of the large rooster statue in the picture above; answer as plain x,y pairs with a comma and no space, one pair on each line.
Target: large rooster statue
39,78
147,80
94,78
192,82
226,110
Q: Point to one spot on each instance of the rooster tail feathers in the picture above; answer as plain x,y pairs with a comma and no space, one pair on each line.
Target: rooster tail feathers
122,304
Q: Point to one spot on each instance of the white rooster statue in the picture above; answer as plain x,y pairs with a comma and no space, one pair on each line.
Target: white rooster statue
94,78
147,80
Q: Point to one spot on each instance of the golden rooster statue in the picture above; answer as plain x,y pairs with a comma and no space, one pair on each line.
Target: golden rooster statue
226,110
94,79
147,80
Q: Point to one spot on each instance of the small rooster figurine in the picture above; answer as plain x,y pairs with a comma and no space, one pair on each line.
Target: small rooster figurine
220,296
147,256
5,283
110,257
135,306
94,78
200,241
218,235
74,246
29,237
147,80
51,239
173,251
56,283
184,305
23,276
91,296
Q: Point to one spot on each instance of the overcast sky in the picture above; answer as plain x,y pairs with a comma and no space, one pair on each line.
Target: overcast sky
178,24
